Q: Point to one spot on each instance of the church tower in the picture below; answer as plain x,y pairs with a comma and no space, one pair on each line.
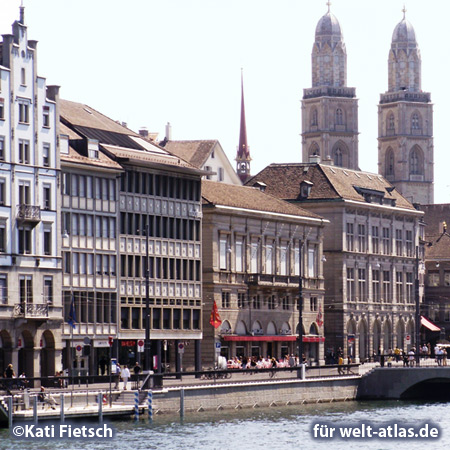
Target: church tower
329,107
243,152
405,121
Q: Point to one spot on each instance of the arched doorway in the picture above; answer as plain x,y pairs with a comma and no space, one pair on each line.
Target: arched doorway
313,347
363,341
410,332
26,349
400,334
5,350
47,344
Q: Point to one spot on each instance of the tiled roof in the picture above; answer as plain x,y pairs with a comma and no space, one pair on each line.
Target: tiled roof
248,198
329,183
435,215
196,152
76,158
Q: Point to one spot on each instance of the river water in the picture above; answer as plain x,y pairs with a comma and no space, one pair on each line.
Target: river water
269,429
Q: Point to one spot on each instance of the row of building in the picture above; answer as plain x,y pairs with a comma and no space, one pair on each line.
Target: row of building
98,222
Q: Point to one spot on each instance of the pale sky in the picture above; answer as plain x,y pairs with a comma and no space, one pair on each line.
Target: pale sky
149,62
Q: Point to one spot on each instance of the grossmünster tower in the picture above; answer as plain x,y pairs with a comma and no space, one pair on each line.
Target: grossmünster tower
329,107
405,121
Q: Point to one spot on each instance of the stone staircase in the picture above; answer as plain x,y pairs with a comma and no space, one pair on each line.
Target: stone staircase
127,398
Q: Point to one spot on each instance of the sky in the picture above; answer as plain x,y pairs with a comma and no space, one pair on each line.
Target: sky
149,62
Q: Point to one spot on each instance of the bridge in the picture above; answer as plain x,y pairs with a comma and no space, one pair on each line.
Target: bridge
431,383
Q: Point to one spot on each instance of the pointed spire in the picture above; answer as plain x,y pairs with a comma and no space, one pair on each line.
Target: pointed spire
329,6
243,152
404,11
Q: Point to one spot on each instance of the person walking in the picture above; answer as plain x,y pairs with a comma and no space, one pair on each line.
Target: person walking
118,371
125,376
137,370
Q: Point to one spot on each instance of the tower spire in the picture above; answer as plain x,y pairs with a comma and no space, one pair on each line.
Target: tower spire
243,152
22,13
404,11
329,5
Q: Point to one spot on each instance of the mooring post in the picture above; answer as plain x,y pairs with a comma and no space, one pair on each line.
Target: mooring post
182,402
136,405
150,405
61,412
10,411
35,409
100,406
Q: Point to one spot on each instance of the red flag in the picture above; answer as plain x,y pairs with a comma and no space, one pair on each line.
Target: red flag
319,319
214,319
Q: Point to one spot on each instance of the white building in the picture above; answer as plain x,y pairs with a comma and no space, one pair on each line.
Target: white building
30,279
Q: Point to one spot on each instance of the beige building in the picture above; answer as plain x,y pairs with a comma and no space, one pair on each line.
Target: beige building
329,107
370,250
405,121
254,247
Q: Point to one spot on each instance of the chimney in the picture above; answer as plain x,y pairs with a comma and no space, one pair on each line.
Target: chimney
315,159
143,132
168,132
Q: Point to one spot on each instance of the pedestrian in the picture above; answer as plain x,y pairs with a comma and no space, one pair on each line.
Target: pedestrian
118,371
137,370
125,376
9,374
45,398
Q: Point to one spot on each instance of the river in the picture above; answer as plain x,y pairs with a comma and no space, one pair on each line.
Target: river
270,429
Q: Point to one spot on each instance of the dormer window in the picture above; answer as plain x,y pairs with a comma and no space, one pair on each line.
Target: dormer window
93,151
305,188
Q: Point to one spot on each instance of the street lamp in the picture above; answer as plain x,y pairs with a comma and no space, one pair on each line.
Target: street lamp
300,372
417,299
147,354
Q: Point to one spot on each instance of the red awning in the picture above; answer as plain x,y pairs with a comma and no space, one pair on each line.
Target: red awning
272,338
428,324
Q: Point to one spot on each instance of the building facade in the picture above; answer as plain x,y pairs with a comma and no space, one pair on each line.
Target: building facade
30,259
329,107
254,249
405,121
370,250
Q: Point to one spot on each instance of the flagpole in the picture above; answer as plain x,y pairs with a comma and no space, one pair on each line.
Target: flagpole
71,363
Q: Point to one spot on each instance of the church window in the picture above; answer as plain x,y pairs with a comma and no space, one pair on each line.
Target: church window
314,117
338,157
339,117
390,162
415,122
391,122
415,160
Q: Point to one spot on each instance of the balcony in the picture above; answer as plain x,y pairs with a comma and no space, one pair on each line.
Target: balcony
263,279
31,310
29,214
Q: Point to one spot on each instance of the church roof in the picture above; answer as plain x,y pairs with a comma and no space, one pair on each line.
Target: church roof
404,33
328,26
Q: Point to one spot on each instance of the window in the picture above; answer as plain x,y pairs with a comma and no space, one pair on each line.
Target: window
338,157
208,169
46,117
415,122
389,162
386,241
269,257
23,77
399,287
89,186
398,242
24,152
239,245
223,250
314,121
225,299
2,109
24,241
256,302
312,263
2,148
24,112
271,302
446,278
220,174
415,162
48,289
313,304
47,240
24,193
349,237
2,191
26,289
66,262
339,117
386,285
375,240
3,289
362,237
376,285
46,155
433,279
409,243
283,260
254,257
362,292
47,197
241,300
2,237
297,255
350,284
286,304
391,123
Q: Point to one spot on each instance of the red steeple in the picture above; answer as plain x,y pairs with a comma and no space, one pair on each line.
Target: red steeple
243,152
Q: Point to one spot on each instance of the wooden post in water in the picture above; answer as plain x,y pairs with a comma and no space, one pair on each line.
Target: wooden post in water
136,405
100,406
10,411
182,403
35,409
61,402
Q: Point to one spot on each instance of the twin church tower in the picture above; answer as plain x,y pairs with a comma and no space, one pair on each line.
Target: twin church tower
405,112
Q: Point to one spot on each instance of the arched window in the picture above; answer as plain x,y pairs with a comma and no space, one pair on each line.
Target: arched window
339,117
337,157
390,125
389,162
314,118
415,162
415,121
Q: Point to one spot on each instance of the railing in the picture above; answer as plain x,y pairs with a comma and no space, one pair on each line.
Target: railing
29,213
31,310
329,91
422,97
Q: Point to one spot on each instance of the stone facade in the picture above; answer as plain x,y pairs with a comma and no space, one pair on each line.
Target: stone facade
405,122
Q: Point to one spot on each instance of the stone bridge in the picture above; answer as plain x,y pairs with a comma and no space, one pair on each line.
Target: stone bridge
405,383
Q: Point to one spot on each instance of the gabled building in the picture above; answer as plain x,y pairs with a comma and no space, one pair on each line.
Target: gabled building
370,248
143,200
254,248
30,258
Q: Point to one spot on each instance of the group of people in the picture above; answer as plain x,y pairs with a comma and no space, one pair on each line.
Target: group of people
123,373
254,362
